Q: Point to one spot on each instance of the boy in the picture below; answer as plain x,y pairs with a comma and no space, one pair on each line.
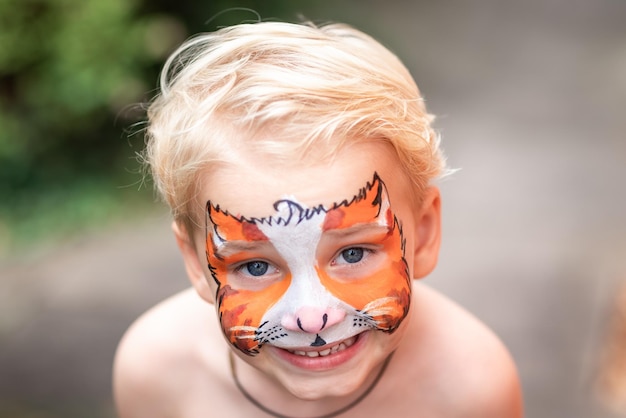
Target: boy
297,161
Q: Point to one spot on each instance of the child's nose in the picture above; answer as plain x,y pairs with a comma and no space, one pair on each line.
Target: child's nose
312,320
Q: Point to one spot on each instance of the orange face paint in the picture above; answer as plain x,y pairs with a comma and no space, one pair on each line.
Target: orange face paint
384,294
240,310
281,306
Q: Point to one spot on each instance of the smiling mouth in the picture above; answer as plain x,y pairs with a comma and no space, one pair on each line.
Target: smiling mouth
327,351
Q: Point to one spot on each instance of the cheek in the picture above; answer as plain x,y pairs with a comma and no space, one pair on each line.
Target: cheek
391,281
240,311
384,294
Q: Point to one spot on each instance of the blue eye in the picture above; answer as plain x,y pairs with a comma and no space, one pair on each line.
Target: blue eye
352,255
257,268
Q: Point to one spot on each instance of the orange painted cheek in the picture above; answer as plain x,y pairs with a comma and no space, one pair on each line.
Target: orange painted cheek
241,312
383,294
388,281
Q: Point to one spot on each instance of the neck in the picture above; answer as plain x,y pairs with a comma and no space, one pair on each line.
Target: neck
270,395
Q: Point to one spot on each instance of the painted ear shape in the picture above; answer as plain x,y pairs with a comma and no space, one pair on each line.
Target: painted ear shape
371,203
226,227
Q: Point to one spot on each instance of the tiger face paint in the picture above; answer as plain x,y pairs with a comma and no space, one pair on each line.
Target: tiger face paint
309,276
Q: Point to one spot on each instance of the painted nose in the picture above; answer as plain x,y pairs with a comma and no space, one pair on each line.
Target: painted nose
313,320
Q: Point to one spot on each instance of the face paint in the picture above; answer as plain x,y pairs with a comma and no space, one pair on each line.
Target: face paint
309,276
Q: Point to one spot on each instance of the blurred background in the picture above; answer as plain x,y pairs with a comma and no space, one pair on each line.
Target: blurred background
530,98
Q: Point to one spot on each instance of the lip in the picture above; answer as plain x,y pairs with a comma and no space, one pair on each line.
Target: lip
321,363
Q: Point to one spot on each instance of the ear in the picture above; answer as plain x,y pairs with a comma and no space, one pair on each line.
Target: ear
427,233
193,265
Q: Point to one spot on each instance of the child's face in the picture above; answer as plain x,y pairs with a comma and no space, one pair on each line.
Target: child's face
310,265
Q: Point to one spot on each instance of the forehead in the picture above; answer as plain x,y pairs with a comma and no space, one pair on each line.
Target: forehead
250,186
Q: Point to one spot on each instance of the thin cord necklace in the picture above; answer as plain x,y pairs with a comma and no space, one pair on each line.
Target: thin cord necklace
233,372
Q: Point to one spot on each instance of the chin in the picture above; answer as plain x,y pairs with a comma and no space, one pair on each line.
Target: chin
348,377
332,388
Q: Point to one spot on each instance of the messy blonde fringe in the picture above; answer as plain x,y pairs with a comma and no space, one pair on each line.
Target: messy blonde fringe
314,88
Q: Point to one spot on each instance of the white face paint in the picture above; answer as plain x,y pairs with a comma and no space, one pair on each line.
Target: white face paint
307,308
309,277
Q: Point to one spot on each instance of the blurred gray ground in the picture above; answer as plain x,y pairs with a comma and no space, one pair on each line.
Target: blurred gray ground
530,98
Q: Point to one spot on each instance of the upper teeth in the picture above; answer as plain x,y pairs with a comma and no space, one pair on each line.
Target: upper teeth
335,348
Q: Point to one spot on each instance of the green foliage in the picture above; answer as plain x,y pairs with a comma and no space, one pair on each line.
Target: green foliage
61,62
70,72
67,70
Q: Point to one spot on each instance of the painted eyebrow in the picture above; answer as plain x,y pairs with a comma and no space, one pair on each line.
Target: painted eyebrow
363,228
228,248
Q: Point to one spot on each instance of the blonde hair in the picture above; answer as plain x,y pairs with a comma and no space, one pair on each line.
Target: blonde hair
314,88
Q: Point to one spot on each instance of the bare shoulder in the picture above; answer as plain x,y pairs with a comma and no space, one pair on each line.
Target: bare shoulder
469,369
161,349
